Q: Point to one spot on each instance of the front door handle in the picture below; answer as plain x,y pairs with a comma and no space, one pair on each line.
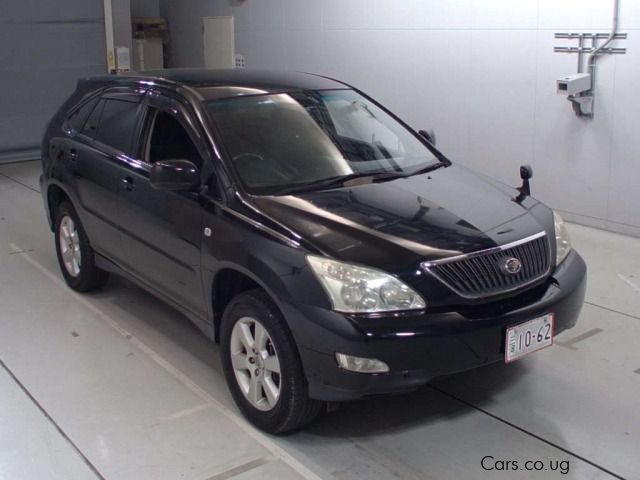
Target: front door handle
128,183
73,154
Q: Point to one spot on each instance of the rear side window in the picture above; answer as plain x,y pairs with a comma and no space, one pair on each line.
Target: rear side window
77,119
117,124
91,124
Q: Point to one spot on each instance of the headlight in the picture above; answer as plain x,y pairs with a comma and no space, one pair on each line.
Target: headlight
356,289
563,243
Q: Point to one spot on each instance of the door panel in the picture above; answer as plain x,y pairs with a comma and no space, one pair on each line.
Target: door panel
162,233
97,166
96,178
89,174
161,237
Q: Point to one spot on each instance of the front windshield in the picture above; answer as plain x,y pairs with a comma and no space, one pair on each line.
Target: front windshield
286,140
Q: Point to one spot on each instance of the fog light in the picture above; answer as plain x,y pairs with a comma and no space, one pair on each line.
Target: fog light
361,365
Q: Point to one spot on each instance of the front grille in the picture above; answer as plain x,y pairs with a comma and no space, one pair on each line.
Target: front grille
482,274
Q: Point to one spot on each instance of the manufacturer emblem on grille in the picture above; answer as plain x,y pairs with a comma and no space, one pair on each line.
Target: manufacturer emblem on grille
510,265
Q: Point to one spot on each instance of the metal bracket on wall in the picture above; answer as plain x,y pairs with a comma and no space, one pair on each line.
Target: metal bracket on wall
583,102
581,49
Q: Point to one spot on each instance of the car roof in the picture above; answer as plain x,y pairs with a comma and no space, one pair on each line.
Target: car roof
216,84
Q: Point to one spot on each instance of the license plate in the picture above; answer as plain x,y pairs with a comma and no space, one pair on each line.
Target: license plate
528,337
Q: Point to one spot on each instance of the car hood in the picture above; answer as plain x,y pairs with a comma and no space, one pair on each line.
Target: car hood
449,211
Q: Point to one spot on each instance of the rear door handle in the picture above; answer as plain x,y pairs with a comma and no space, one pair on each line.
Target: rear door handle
73,154
128,183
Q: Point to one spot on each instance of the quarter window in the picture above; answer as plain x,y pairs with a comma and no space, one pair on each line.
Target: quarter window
91,125
77,119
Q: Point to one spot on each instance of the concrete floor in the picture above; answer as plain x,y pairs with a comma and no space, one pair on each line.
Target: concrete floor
117,385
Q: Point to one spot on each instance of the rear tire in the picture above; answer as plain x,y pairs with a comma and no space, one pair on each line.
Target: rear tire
75,255
265,376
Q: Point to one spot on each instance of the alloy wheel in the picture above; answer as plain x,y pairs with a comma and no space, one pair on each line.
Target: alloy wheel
70,246
255,363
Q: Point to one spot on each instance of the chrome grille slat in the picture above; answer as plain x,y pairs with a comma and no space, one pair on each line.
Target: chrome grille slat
527,251
477,266
470,274
477,274
533,254
450,278
540,256
492,271
461,277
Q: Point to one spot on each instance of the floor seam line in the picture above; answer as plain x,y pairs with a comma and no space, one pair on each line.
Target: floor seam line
612,310
24,389
14,162
527,432
19,182
579,338
240,469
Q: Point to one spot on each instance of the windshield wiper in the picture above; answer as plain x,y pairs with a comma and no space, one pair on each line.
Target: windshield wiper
325,183
339,181
382,177
428,168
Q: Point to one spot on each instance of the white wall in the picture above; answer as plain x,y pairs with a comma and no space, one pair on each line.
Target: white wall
480,72
44,49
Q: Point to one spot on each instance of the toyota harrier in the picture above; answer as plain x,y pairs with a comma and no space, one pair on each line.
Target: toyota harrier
333,252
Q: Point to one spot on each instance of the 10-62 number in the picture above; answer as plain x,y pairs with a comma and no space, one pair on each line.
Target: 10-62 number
544,334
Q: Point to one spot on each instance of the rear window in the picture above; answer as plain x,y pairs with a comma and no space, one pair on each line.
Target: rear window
117,124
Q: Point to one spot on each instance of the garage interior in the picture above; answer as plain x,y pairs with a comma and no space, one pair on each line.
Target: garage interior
118,385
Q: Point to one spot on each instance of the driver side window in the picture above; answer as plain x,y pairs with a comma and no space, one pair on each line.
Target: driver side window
170,141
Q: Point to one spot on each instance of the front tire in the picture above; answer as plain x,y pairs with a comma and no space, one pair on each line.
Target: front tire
75,255
262,366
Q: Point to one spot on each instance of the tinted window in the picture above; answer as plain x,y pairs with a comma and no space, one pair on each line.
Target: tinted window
282,140
91,124
117,124
79,116
170,141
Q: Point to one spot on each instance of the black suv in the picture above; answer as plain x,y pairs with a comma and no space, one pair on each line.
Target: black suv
333,251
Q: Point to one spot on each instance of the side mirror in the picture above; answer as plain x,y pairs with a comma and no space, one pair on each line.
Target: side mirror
429,136
175,175
526,172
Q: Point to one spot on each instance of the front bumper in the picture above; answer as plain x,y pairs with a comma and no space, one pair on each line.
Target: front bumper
418,348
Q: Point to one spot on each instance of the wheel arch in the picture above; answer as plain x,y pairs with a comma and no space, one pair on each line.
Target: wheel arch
55,196
229,281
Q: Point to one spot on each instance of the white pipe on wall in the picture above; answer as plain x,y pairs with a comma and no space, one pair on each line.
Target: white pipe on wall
612,34
583,102
108,29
